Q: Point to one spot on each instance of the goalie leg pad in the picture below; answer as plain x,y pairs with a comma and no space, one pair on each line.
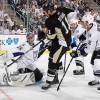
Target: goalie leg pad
38,75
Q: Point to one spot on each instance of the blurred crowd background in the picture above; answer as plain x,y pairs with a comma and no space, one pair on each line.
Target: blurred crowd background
31,13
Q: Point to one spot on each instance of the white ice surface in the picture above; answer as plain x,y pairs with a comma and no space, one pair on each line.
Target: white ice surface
72,87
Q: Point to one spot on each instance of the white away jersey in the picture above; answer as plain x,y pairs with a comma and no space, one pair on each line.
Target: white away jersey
93,39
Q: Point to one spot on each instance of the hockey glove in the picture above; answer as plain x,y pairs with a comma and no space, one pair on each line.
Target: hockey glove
82,37
82,49
74,54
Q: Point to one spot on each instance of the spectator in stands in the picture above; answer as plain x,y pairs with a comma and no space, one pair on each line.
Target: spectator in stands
14,31
6,30
21,30
1,29
8,20
15,25
62,2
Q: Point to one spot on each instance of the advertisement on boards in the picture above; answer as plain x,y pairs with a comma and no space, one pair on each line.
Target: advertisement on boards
11,42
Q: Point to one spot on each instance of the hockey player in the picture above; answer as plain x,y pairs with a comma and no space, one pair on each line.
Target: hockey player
77,30
93,46
29,58
58,32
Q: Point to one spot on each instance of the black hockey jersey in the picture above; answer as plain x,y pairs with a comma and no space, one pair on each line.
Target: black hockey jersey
58,28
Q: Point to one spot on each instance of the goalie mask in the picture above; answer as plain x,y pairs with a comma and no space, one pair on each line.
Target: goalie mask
30,38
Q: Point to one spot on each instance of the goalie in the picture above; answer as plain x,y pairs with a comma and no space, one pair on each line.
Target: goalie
27,73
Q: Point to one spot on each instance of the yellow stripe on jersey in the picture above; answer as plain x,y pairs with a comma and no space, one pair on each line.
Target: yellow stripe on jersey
69,51
3,52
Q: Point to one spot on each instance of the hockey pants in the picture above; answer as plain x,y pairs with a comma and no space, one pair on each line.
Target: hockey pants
56,52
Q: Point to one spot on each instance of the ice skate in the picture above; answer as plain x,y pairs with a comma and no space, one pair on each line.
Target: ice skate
78,72
93,83
98,88
48,84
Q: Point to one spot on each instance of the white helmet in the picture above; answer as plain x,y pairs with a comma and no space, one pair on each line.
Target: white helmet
88,18
72,21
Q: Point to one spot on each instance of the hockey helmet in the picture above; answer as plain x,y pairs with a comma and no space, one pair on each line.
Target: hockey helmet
71,21
48,7
88,18
30,37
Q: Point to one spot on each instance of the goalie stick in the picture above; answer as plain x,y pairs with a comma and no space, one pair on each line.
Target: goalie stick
24,53
8,80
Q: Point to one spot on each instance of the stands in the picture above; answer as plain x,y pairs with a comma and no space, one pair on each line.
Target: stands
31,12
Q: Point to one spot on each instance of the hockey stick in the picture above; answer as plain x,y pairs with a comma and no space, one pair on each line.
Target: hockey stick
66,70
24,53
7,74
43,49
1,54
65,62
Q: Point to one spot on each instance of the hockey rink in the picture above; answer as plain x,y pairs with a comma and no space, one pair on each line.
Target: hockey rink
72,88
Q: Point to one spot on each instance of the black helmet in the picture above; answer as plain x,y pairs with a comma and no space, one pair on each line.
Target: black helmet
48,7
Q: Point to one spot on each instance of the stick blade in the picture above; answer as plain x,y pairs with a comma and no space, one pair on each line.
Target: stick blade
58,88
